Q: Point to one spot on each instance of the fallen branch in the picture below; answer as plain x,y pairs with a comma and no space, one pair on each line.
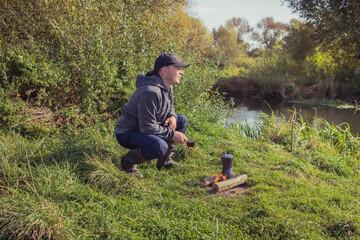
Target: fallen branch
207,181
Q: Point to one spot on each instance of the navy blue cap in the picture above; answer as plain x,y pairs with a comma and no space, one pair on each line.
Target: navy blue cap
167,59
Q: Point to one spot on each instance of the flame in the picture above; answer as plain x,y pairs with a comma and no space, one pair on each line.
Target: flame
219,178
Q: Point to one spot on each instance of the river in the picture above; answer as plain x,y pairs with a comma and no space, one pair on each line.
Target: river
252,111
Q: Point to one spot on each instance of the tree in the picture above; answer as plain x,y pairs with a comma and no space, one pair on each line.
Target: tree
300,41
242,27
190,32
269,32
227,46
337,22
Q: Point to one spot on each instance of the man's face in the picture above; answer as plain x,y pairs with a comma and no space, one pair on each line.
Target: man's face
172,75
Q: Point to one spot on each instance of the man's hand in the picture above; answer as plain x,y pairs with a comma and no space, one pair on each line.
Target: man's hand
179,137
170,123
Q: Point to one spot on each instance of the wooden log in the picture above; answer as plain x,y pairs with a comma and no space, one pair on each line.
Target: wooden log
231,183
207,181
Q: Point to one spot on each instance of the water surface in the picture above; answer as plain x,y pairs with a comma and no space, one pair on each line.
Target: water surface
252,111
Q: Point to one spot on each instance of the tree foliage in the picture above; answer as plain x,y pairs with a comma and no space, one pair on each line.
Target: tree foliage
242,27
269,32
62,53
300,41
227,47
337,24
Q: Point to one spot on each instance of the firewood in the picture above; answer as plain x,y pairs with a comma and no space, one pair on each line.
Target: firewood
231,183
207,181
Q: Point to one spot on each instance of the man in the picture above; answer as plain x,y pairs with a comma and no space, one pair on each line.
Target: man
148,124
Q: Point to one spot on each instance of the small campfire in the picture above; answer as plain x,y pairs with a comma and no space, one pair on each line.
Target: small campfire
226,180
219,178
211,180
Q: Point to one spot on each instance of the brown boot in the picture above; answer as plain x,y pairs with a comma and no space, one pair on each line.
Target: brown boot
129,161
166,161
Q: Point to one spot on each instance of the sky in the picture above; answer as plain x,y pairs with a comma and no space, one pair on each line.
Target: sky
215,13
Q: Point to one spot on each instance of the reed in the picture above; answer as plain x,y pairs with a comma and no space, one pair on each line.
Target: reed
339,136
246,129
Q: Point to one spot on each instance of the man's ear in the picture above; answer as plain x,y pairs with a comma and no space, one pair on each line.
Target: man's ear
163,72
164,69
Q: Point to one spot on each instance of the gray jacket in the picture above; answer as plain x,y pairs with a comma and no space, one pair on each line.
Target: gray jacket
147,109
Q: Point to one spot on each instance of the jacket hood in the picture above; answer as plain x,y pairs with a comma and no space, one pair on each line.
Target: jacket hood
153,80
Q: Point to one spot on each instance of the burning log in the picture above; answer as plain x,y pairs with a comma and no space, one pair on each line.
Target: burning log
231,183
211,180
207,181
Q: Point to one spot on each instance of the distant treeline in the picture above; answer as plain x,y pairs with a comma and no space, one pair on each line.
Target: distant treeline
317,57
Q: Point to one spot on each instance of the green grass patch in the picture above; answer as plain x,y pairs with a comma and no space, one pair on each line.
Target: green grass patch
69,187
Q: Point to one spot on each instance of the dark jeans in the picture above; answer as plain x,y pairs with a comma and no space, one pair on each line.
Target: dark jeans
151,145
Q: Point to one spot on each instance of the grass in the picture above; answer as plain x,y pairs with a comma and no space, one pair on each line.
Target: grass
68,187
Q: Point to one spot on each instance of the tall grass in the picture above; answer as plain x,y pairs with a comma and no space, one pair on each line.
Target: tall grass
247,129
339,136
280,129
302,136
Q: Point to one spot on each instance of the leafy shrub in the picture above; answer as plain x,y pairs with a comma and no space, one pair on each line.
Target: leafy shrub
88,53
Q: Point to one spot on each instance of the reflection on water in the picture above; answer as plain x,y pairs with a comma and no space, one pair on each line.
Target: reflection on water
251,111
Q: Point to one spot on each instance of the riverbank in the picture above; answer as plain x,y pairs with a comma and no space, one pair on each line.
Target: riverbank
338,103
277,91
66,186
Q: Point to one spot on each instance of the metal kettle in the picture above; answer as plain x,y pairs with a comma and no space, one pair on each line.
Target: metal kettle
227,161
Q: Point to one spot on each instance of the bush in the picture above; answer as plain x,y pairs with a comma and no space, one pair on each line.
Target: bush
86,54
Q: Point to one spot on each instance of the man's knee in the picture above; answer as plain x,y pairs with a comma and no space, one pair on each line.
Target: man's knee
181,118
181,123
157,149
